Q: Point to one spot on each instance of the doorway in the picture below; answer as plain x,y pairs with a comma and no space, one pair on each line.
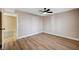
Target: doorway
9,33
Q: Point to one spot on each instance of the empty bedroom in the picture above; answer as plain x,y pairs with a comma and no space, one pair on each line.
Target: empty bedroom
39,29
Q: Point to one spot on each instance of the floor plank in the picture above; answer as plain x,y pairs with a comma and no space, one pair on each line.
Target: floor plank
44,41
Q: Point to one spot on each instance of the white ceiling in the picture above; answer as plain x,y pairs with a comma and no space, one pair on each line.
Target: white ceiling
36,11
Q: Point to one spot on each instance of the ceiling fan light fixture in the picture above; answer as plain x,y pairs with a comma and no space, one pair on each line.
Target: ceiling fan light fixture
45,13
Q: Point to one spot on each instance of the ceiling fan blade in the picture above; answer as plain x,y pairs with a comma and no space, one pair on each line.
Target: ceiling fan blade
47,10
50,12
44,8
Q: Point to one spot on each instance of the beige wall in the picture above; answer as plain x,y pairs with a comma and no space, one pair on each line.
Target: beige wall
64,24
28,24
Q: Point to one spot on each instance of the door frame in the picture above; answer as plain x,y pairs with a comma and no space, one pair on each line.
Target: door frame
11,14
0,30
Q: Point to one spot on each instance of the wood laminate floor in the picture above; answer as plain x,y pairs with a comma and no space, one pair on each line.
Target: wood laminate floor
44,41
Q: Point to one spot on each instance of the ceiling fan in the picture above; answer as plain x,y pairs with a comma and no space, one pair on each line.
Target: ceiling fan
45,11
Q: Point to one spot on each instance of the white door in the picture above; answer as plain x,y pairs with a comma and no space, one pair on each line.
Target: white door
9,32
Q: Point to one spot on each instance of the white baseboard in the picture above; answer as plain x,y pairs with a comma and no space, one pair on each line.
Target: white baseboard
28,35
64,36
51,34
